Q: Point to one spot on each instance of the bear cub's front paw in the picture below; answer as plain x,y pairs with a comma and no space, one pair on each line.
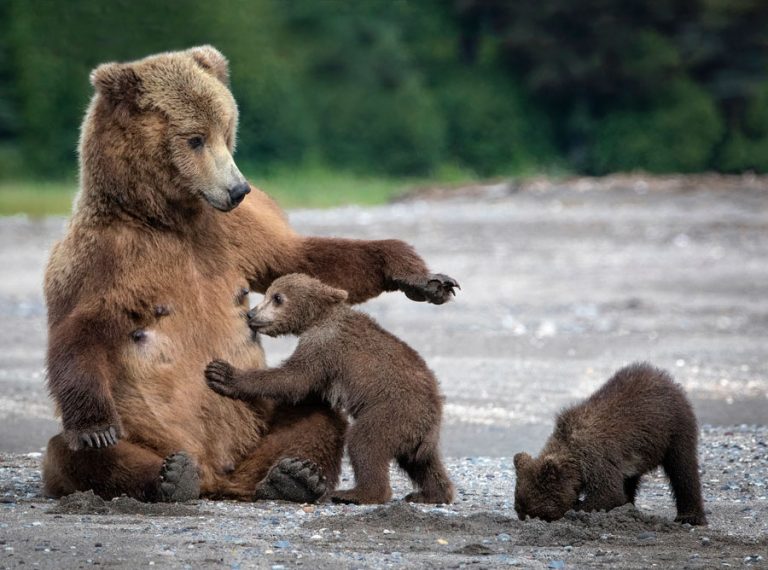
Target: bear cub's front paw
220,377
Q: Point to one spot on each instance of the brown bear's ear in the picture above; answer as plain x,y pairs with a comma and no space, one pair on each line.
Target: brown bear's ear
212,61
337,295
521,459
118,82
550,469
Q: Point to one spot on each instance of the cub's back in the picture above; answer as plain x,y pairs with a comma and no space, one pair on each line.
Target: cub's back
377,365
640,404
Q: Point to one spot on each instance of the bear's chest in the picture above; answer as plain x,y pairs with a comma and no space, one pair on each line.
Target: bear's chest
201,317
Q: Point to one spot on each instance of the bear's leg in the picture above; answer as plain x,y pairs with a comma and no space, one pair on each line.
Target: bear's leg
426,470
605,490
298,460
370,455
631,485
682,467
121,469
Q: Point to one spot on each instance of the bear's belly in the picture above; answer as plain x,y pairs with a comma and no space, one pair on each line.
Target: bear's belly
163,400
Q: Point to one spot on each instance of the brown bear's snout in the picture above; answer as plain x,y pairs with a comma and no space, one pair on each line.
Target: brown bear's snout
237,193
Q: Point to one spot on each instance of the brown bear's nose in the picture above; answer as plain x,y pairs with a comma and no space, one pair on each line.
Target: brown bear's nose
237,193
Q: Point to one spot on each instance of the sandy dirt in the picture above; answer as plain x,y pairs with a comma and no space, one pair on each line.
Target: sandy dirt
561,285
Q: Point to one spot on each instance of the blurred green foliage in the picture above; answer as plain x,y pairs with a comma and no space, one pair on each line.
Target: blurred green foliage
410,88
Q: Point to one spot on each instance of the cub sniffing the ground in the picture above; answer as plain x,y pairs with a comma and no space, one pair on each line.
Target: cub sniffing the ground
636,421
356,365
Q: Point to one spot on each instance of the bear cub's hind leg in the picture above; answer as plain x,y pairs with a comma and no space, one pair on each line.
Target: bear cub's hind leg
370,461
429,476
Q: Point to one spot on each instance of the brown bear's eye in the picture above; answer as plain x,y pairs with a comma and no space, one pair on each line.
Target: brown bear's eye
195,142
277,298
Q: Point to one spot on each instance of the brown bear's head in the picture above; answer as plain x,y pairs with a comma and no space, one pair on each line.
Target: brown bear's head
160,133
292,304
546,488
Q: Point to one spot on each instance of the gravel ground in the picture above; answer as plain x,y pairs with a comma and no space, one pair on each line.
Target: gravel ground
478,530
561,285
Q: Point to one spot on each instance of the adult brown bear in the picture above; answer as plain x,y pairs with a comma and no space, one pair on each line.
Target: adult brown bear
150,283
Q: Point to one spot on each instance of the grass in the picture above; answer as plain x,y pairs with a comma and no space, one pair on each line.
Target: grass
302,187
36,199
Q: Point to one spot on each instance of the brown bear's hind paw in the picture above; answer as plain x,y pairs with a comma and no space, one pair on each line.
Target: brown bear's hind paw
693,520
179,479
296,480
358,496
420,497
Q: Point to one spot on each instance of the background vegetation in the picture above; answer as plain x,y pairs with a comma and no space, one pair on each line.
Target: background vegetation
369,93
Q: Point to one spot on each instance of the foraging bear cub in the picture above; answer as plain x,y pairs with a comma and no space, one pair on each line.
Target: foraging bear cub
353,363
636,421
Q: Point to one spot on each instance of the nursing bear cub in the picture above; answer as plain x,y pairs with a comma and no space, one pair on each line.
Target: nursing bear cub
349,360
636,421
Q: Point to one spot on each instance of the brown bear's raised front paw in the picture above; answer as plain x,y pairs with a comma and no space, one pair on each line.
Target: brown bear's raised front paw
95,437
434,288
220,377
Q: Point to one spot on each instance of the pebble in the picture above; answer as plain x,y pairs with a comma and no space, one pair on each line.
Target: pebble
556,564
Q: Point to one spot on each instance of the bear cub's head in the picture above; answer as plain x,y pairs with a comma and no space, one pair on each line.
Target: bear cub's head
160,133
547,487
292,304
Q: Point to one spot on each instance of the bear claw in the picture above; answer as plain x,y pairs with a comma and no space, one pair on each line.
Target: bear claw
179,479
296,480
435,288
96,439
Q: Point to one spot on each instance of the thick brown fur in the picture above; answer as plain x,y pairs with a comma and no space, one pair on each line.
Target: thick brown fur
349,360
150,282
600,449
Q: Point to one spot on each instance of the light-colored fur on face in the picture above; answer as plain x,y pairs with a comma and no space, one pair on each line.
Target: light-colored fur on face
178,109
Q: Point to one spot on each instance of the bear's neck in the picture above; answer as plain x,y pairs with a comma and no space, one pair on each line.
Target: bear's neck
106,203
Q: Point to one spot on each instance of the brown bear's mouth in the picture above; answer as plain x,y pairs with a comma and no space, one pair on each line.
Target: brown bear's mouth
257,325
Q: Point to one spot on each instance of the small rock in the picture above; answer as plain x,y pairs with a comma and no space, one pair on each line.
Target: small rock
557,564
503,537
282,544
647,536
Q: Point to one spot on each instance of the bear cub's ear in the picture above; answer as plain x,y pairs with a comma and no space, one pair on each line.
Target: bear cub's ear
550,469
212,61
336,295
117,81
521,459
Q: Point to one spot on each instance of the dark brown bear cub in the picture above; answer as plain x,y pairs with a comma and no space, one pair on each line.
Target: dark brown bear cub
636,421
354,364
